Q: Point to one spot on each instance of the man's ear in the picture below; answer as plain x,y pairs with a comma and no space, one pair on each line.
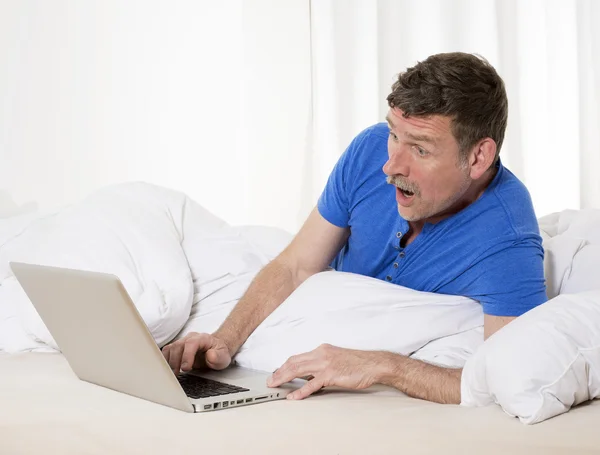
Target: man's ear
481,157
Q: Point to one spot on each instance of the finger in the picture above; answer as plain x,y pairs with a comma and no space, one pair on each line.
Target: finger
290,370
165,352
306,390
193,344
175,357
217,359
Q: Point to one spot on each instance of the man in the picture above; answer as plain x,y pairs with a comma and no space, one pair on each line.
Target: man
453,221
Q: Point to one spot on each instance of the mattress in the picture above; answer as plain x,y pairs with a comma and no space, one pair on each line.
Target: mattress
45,409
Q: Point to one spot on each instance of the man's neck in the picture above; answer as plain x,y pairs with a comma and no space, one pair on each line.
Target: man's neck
474,192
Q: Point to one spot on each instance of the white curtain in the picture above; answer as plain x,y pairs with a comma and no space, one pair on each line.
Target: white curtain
247,104
547,51
207,97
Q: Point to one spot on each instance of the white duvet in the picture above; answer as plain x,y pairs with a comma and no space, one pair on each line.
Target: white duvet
185,269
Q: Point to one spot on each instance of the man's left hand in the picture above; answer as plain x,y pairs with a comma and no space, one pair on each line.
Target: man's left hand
329,366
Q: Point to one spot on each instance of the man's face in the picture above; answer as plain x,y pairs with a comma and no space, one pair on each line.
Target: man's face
424,166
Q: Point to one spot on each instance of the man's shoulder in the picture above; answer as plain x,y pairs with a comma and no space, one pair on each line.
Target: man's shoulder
503,215
377,131
367,152
372,136
513,198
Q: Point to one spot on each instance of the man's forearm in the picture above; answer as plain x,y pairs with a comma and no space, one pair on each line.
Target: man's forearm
419,379
268,290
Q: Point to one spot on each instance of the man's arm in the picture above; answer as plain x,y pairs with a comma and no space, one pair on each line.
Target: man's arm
333,366
310,252
429,382
491,324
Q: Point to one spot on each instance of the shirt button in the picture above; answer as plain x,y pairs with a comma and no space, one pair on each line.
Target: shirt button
402,254
399,234
389,278
395,265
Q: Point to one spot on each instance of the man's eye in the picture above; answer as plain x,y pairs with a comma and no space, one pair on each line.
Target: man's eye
394,136
421,152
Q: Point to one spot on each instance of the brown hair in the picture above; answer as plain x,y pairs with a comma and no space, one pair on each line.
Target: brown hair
462,86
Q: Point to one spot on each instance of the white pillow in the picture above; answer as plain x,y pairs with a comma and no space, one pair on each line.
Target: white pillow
572,247
14,218
13,226
542,363
352,311
9,208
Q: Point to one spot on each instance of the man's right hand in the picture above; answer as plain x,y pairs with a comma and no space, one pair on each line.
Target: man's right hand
197,350
311,251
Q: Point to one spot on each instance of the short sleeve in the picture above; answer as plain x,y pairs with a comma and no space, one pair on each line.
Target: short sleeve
510,282
334,202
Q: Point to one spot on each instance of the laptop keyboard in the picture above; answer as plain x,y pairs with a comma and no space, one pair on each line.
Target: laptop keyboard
197,387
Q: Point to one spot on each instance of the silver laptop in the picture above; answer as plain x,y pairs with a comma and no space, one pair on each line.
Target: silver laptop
106,342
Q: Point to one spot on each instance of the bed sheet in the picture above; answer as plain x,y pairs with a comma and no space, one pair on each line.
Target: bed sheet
47,410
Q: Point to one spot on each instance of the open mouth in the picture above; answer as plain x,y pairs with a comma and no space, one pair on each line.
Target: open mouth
404,197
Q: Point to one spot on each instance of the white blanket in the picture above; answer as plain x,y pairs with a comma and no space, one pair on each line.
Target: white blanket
165,248
177,260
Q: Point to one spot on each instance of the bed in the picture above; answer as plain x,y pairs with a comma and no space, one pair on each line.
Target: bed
44,408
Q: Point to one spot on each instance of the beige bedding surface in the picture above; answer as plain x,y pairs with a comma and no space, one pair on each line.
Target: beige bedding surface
45,409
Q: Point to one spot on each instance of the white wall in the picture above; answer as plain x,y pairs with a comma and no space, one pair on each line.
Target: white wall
208,97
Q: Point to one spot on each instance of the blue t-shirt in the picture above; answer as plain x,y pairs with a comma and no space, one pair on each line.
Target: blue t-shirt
490,251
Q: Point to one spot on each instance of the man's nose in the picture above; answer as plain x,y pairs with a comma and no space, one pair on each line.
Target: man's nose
397,163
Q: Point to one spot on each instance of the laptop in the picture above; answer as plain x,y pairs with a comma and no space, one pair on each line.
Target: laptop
106,342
